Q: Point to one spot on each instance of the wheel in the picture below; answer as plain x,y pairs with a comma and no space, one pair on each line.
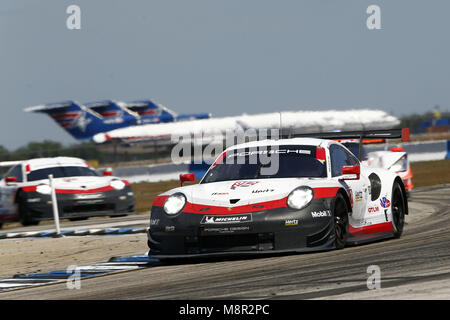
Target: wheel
1,225
398,210
340,217
24,214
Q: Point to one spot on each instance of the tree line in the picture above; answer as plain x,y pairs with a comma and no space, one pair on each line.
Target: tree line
89,150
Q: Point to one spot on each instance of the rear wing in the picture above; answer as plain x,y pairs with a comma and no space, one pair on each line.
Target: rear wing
365,134
402,134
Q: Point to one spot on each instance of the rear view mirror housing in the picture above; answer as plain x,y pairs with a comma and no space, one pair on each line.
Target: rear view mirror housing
351,172
186,177
10,179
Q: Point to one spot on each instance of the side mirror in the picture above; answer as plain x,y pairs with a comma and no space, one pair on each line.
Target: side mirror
10,179
351,172
186,177
107,173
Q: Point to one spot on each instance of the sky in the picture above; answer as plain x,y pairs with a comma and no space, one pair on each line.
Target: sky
226,57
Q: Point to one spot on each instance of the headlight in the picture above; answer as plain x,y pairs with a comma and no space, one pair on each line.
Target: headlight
300,198
43,189
117,184
174,204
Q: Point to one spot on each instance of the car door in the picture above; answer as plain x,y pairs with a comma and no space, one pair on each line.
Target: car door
358,189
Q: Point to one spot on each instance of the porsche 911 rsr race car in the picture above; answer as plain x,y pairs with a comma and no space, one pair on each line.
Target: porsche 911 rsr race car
25,194
395,160
320,197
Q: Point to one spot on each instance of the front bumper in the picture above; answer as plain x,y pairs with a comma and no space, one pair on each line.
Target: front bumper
259,232
79,205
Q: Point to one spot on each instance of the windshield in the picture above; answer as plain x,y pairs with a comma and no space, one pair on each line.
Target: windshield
293,161
354,148
400,165
60,172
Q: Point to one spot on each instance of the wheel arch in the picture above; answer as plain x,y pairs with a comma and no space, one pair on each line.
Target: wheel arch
19,191
344,194
402,186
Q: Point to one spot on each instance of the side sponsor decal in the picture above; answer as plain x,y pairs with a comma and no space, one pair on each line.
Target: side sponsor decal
262,191
243,184
373,209
358,196
320,214
385,203
291,222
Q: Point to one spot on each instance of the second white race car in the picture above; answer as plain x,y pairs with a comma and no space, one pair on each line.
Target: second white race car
25,193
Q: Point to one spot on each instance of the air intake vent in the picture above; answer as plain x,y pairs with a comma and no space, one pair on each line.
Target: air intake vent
233,201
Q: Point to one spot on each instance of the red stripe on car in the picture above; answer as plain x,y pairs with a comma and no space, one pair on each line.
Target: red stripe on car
219,210
159,201
326,192
29,188
375,228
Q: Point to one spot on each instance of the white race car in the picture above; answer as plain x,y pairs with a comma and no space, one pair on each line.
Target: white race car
320,197
395,160
25,194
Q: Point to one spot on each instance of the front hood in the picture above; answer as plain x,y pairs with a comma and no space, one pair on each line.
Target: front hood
78,183
241,192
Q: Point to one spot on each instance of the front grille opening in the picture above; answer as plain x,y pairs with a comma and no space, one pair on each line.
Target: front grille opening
89,208
224,243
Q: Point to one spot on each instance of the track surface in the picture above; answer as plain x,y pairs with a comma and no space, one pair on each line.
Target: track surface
415,266
134,220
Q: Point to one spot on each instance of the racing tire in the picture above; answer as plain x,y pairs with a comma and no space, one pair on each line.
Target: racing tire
398,210
24,214
340,219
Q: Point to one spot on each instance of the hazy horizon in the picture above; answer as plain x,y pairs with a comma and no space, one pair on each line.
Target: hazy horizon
224,57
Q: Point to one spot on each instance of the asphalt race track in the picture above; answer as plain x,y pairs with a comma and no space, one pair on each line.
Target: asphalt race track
416,266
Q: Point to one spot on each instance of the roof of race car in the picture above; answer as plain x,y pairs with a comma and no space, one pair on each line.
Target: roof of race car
39,163
292,141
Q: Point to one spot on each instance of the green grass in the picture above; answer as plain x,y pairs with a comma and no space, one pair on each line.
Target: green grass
430,173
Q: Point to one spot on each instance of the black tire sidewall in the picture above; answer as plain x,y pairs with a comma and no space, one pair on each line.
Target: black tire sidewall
338,242
24,216
398,230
